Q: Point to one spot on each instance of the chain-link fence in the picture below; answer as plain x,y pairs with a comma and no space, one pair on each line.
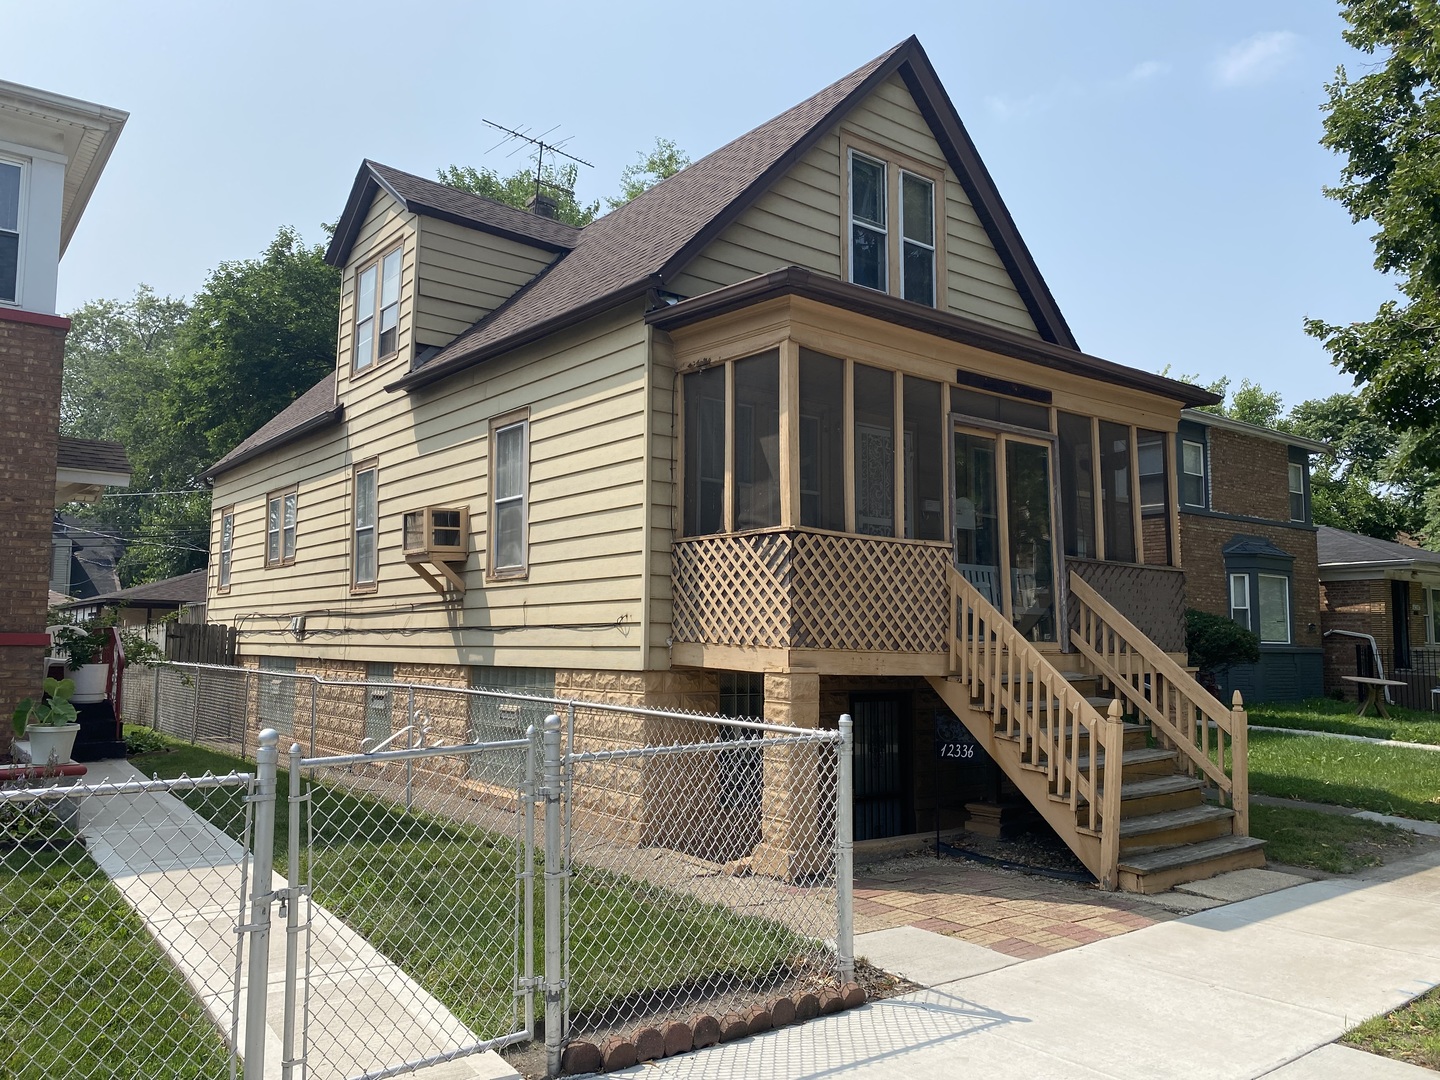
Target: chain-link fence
118,904
690,864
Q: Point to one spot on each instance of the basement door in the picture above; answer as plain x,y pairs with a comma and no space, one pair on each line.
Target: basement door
882,765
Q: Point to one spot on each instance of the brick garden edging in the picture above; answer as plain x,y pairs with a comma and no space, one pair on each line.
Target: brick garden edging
667,1040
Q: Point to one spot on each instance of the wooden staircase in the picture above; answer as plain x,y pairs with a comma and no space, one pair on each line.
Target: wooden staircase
1127,797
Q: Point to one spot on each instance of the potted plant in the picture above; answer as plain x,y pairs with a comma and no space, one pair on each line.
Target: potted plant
50,723
81,645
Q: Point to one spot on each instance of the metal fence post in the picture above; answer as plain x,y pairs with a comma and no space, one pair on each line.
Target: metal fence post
292,914
527,963
261,893
554,883
845,852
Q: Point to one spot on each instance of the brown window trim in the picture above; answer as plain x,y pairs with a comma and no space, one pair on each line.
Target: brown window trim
368,465
223,588
379,361
280,493
509,573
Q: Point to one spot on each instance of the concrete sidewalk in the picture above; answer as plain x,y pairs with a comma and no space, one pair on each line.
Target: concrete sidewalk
1256,988
182,877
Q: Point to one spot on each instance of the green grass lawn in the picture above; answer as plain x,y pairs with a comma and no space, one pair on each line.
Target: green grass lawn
1385,779
1327,714
84,990
1410,1033
437,898
1330,842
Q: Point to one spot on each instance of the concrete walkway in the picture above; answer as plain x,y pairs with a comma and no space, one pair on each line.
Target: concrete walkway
182,877
1256,988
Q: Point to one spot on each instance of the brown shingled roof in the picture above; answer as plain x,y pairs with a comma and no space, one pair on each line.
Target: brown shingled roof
185,589
434,199
311,411
92,455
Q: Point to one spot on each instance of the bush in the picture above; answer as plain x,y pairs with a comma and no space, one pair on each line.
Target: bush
1215,642
139,740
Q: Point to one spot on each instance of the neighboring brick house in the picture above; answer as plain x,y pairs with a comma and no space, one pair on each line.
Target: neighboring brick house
1248,545
52,150
1380,597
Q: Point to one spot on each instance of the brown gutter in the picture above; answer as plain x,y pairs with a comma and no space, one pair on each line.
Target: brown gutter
797,281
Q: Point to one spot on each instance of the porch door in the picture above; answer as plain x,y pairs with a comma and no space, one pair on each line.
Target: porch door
882,765
1004,525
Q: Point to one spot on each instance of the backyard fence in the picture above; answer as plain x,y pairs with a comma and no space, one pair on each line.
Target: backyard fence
491,868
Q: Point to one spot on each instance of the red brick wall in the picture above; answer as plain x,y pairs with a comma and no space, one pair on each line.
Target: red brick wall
1364,608
1249,476
31,355
1207,585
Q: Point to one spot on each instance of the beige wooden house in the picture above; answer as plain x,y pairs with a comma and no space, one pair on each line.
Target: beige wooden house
800,430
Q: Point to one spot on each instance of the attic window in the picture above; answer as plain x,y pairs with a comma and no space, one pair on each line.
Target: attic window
377,300
893,222
868,240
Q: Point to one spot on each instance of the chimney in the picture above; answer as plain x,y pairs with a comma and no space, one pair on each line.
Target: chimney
543,204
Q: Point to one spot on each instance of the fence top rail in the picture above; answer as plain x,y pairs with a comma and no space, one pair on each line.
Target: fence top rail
419,752
128,787
557,705
817,737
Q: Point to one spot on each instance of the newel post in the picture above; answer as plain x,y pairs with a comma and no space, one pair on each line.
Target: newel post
1240,765
1112,740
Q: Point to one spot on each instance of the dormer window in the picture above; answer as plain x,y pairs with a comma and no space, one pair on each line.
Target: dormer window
11,175
917,239
377,311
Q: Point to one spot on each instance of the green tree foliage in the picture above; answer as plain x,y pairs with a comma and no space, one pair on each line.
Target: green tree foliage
180,385
663,161
518,188
1387,126
1215,642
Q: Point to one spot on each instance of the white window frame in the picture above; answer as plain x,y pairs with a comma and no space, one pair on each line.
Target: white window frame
1184,472
365,578
1260,613
281,515
1431,595
384,308
19,231
882,229
1241,612
932,247
1295,472
499,426
227,547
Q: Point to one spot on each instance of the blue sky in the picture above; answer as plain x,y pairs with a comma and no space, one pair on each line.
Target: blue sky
1160,159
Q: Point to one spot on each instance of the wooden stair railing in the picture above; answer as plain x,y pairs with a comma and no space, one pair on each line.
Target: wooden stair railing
1058,732
1183,715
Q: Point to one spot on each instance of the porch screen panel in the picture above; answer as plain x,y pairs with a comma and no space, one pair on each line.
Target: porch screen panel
1154,496
1077,486
757,441
977,522
1032,573
705,451
1115,492
822,441
874,451
924,463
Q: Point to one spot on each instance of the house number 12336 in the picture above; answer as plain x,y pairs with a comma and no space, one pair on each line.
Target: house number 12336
957,750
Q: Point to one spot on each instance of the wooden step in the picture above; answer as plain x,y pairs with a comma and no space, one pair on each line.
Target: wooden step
1192,825
1137,763
1155,795
1156,871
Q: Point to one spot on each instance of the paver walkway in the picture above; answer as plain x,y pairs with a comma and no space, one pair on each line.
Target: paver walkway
182,877
1256,988
1023,916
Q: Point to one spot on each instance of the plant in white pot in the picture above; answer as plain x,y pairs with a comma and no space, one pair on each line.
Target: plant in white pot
50,723
81,645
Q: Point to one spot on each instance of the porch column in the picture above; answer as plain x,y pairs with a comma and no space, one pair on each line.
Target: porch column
793,840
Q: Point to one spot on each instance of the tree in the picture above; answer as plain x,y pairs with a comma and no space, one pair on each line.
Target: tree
661,163
519,188
1387,126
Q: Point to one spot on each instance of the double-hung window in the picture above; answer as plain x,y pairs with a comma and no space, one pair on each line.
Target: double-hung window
280,511
377,311
1260,576
1274,596
509,494
1432,614
1297,490
11,176
917,238
1240,599
1192,473
869,235
227,546
364,560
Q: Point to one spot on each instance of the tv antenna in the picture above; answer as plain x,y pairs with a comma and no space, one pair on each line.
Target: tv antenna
541,148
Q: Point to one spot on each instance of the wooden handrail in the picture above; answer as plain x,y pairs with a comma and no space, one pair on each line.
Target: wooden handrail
1031,701
1178,708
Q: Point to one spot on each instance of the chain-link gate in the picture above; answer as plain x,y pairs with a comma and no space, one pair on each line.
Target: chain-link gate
416,874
